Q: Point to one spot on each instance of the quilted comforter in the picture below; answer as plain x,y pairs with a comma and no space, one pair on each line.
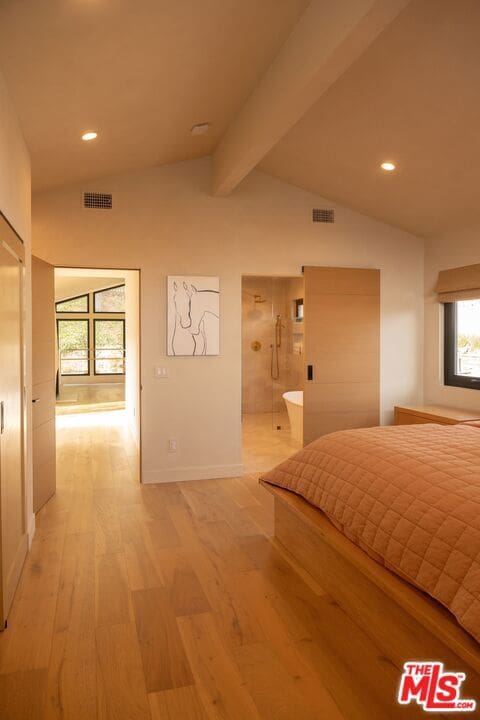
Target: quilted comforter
409,496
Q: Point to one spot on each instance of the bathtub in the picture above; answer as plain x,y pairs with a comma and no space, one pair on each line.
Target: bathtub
294,402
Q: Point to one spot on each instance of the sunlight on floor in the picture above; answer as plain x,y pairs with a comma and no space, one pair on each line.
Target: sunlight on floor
112,418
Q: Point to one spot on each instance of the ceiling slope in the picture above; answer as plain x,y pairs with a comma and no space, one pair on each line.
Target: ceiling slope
140,73
326,40
413,97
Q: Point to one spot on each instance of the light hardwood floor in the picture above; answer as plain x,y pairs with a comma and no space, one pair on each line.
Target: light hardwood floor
172,602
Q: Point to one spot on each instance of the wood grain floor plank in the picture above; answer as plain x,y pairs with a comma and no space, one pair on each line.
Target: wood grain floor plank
71,683
26,643
219,682
240,493
182,703
277,694
121,691
185,591
22,695
113,604
165,664
142,560
108,537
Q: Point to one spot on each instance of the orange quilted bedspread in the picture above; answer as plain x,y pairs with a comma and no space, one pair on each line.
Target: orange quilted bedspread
407,495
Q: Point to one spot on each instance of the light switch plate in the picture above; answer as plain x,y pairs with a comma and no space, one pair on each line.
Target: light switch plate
161,371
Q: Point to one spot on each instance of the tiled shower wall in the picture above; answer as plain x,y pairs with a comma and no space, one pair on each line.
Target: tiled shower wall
261,394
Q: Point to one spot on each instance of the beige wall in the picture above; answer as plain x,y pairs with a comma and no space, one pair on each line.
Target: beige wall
15,205
165,221
454,249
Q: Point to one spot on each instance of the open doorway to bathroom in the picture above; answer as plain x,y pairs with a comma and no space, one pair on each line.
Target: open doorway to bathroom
272,369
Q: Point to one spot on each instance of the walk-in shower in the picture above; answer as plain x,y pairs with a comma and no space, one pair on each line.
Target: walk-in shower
272,343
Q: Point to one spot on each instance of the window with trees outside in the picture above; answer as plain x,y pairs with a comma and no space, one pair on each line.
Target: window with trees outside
73,344
111,300
78,304
462,344
109,343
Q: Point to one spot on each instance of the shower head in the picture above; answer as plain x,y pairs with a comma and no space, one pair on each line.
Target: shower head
256,298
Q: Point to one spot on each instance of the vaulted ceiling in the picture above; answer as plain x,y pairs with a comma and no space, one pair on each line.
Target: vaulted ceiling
317,94
141,72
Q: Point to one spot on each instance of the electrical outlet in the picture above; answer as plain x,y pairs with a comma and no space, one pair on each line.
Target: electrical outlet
172,445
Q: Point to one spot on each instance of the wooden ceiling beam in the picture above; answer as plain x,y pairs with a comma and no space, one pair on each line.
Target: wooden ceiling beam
327,39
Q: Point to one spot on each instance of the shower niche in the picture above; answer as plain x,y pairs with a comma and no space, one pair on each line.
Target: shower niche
272,347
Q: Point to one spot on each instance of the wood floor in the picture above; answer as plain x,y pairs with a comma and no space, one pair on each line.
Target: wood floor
171,602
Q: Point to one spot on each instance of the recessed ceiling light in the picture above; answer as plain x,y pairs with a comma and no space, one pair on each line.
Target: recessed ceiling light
89,136
388,166
200,129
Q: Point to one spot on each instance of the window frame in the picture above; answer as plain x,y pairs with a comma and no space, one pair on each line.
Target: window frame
107,312
73,312
74,320
451,377
108,319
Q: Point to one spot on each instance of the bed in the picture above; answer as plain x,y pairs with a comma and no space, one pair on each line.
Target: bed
388,521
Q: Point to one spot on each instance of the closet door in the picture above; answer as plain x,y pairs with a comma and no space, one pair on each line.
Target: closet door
342,349
13,536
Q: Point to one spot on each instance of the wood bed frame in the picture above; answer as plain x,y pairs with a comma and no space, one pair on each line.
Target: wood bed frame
403,622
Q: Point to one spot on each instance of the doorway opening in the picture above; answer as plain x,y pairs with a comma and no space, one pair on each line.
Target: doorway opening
97,314
272,369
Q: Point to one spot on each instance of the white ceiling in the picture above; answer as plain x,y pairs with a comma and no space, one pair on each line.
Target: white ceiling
71,282
141,73
414,97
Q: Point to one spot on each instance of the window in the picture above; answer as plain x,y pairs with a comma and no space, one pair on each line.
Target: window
78,304
298,309
111,300
73,342
109,347
462,344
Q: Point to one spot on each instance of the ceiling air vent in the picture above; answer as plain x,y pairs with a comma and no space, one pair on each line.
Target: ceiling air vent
324,215
97,201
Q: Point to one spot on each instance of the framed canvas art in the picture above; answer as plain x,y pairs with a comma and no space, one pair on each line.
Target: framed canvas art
193,315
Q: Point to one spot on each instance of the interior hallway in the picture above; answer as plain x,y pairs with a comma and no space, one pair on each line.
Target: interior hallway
172,602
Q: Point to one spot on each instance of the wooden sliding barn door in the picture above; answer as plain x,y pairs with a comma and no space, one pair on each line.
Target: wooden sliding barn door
342,349
44,381
13,535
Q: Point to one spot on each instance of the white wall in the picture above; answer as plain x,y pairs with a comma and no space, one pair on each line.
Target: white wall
454,249
15,205
164,221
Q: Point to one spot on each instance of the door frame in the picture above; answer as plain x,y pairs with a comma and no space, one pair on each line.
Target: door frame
140,385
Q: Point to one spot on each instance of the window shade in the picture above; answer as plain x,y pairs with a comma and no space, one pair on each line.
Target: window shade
461,283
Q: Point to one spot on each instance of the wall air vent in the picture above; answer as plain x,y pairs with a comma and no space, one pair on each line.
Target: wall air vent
97,201
324,215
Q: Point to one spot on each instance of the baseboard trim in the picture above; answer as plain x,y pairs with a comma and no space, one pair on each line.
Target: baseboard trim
13,576
31,530
212,472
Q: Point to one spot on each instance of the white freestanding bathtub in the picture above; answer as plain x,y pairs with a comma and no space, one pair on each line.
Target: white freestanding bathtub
294,402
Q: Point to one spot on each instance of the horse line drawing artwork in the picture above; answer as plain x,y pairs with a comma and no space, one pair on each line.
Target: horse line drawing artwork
193,315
